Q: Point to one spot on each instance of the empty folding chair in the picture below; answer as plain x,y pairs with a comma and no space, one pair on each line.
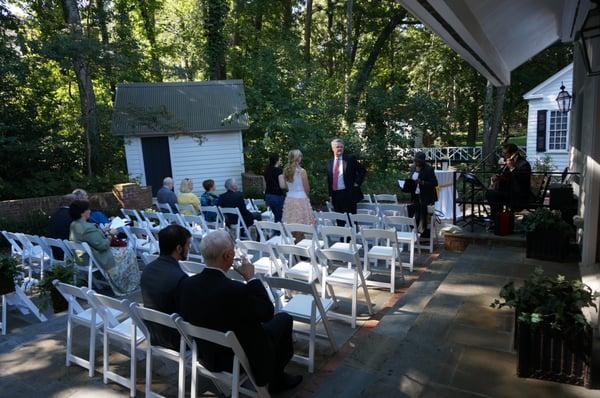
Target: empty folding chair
366,199
164,207
143,240
428,242
359,221
385,247
308,233
153,221
140,315
271,232
124,331
191,267
233,219
59,253
16,247
197,227
265,262
331,218
212,217
385,198
351,275
299,263
367,208
406,230
266,215
393,209
187,209
241,371
340,238
306,307
37,254
172,218
86,317
132,215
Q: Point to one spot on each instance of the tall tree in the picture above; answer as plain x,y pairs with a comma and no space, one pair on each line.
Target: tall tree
216,43
308,31
494,101
87,96
148,10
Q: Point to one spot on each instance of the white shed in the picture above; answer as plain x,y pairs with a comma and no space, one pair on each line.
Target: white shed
186,129
547,128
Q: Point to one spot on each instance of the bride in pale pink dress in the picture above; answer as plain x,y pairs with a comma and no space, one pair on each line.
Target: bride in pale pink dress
296,208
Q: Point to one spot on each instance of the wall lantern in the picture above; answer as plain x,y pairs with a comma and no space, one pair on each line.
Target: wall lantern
563,99
590,41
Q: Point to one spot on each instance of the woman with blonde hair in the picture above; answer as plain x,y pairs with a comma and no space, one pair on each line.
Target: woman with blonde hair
296,208
187,197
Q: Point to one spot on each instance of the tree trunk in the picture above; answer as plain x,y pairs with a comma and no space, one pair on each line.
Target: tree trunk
107,60
364,73
330,37
147,11
307,32
494,103
472,125
215,16
348,69
87,97
287,15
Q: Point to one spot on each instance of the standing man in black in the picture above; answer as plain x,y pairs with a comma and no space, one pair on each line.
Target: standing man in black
161,281
211,300
344,178
423,192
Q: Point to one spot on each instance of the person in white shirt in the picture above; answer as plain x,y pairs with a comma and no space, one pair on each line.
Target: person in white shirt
296,208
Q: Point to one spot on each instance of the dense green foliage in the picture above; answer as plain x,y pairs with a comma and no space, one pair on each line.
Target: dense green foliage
377,88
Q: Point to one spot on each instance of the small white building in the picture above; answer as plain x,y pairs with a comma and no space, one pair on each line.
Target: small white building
184,130
548,132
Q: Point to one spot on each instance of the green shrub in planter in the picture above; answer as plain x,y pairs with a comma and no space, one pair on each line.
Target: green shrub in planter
547,235
47,289
9,274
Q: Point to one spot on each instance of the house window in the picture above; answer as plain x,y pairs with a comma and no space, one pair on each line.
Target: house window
557,133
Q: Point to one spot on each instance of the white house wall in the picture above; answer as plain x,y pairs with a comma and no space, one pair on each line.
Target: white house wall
547,101
135,159
219,157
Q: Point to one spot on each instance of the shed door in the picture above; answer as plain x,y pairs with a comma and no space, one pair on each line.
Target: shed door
157,161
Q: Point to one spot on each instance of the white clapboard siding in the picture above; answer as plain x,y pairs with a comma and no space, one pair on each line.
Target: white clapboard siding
135,159
543,97
219,157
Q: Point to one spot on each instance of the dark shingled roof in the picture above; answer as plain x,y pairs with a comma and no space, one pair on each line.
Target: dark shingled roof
179,108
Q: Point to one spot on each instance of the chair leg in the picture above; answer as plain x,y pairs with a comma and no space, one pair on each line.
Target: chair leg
194,370
366,291
69,337
393,275
412,255
132,363
3,314
148,388
181,379
354,293
311,343
105,342
92,353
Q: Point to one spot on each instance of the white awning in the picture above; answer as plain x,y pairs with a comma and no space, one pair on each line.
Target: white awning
496,36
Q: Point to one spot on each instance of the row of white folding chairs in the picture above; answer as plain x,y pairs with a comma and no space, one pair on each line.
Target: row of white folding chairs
379,198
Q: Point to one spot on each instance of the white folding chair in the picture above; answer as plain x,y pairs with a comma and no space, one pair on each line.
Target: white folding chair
306,307
265,215
367,208
385,198
406,230
164,207
272,233
385,247
191,267
340,238
140,315
331,218
184,208
77,315
197,227
132,215
172,218
309,232
366,198
236,378
359,221
60,246
124,331
16,247
428,243
266,262
212,212
154,221
393,209
39,254
351,275
142,240
229,215
80,251
299,262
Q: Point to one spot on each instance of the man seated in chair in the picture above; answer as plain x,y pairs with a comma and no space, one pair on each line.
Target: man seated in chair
162,279
212,300
512,186
233,198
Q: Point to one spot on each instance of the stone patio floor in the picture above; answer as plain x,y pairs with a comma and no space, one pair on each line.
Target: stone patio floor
435,337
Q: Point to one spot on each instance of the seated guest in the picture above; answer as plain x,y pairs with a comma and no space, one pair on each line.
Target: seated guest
512,186
187,197
233,198
96,216
123,270
166,195
60,222
209,198
212,300
162,279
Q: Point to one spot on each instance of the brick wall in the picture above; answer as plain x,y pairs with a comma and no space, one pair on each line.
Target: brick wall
253,182
124,195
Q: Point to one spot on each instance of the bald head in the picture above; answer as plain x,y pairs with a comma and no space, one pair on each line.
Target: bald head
217,248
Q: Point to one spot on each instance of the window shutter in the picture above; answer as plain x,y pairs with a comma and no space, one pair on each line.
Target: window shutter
540,145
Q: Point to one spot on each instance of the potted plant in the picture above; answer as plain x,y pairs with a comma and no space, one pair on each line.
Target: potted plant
552,336
46,288
9,273
547,235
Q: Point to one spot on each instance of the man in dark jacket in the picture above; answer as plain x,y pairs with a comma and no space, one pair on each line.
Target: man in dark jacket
423,191
233,198
212,300
60,223
344,178
161,281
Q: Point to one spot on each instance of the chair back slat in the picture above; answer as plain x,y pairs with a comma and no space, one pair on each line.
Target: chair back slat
339,255
164,207
385,198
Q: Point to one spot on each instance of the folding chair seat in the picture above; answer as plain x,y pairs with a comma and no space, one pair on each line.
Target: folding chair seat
184,208
406,232
309,232
331,218
241,371
132,215
306,307
164,207
333,235
271,232
124,331
266,262
385,247
385,198
85,317
352,275
140,315
233,216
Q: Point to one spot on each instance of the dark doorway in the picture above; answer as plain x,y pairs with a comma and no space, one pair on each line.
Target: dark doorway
157,161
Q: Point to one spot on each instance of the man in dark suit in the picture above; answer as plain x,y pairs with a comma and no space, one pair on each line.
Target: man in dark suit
423,192
214,301
233,198
344,178
162,279
60,223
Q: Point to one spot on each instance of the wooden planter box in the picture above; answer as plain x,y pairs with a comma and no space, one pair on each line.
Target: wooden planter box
547,245
543,353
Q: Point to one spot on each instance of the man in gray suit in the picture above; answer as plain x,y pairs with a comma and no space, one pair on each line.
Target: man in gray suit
166,195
